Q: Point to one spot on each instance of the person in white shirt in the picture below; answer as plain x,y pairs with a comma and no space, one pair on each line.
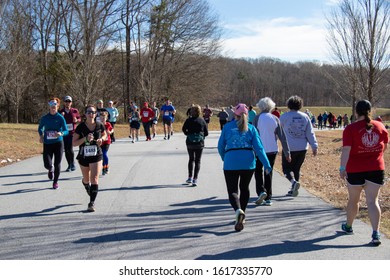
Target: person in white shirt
269,128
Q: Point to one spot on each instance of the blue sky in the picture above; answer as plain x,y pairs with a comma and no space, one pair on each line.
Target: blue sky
291,30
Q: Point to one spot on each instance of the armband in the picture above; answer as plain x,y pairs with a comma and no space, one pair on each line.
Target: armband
342,168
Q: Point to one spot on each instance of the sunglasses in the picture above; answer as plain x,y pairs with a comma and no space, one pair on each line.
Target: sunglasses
52,103
68,101
90,112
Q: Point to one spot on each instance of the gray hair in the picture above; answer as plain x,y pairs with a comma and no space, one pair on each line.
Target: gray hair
266,104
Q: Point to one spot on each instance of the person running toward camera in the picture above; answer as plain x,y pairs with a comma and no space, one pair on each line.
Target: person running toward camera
168,112
362,165
114,114
147,116
237,146
89,136
135,124
72,118
106,143
195,128
300,134
269,128
52,127
156,112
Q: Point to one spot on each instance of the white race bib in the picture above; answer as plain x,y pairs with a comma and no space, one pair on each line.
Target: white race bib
146,114
90,150
70,126
166,113
50,135
98,119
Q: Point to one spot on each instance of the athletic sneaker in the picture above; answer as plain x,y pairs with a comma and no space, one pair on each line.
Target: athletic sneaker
194,184
72,167
50,174
261,198
165,137
376,236
91,207
294,189
154,135
240,217
347,229
189,180
68,169
267,202
55,186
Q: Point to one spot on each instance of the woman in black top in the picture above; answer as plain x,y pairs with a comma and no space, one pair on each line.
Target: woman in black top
195,128
89,136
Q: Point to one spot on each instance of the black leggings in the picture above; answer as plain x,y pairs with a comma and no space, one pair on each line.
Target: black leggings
238,179
195,157
69,154
56,150
264,185
293,167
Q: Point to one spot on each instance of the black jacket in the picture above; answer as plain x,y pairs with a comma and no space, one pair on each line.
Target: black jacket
195,126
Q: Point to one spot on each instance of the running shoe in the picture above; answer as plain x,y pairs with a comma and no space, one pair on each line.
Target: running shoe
267,202
91,207
240,217
50,174
189,180
55,186
154,135
68,169
261,198
132,141
194,183
347,229
376,236
72,167
165,137
294,189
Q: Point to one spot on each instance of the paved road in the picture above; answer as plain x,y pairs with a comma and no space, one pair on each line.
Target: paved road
144,212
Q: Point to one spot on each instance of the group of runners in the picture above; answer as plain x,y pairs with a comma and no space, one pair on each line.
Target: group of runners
246,148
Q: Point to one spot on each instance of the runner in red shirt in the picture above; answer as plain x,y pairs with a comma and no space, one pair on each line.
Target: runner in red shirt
147,115
362,165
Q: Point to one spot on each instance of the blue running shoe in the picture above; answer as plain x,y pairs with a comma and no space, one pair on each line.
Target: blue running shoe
347,229
376,236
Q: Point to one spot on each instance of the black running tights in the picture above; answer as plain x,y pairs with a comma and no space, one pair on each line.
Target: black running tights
53,150
238,179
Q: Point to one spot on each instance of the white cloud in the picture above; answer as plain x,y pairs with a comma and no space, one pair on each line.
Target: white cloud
285,38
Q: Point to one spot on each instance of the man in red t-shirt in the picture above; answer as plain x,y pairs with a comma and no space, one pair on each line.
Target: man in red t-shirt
147,115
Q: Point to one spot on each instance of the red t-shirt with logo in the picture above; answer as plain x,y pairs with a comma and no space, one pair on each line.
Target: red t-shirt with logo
366,146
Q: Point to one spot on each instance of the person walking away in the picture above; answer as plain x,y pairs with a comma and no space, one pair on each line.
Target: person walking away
106,143
362,165
325,118
147,116
339,121
223,117
114,114
156,112
345,120
269,128
237,145
251,115
319,119
52,127
276,112
135,120
89,136
72,118
168,112
195,128
230,112
299,133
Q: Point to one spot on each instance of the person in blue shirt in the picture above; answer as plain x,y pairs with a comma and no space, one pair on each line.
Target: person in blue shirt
114,114
238,146
52,127
168,113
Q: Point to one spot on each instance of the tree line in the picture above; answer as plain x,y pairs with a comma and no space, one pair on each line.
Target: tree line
144,50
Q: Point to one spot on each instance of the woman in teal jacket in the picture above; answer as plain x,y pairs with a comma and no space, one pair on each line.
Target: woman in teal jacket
237,145
52,127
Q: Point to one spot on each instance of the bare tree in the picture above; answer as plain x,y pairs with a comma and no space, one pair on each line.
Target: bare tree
359,35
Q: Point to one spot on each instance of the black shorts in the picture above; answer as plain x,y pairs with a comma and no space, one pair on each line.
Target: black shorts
360,178
87,160
167,121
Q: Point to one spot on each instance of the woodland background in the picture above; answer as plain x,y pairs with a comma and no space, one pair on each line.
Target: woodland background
146,50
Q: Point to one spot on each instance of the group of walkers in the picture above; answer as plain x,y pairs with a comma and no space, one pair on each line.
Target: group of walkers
247,145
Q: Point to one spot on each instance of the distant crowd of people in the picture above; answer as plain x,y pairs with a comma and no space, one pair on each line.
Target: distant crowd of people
248,145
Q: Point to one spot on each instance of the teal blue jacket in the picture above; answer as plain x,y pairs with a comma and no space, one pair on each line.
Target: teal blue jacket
49,124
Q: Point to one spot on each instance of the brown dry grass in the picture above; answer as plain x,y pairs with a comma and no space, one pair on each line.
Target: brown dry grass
319,174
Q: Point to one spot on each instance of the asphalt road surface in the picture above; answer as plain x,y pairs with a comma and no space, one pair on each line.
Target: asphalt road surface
144,211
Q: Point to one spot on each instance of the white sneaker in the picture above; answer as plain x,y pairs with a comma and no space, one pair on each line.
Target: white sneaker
261,198
240,217
189,181
194,184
